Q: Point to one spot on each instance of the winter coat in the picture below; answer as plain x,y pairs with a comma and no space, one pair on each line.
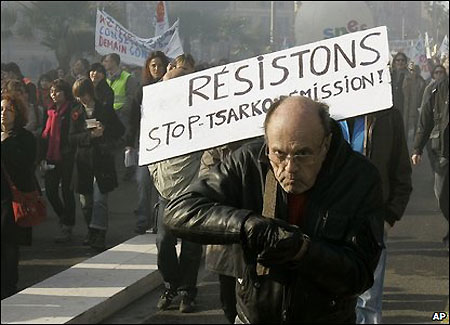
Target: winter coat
433,122
173,176
385,146
398,88
104,93
414,87
94,156
134,122
18,156
344,221
219,258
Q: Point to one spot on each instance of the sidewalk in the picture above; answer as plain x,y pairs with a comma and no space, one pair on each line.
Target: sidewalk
45,258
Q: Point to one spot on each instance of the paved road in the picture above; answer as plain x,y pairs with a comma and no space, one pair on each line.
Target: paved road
417,272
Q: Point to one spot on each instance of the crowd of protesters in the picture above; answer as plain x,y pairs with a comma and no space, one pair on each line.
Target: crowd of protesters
79,130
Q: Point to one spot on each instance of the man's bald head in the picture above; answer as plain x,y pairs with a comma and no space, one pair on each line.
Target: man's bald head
291,110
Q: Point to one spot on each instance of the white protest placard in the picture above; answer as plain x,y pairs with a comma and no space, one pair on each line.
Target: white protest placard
228,103
112,37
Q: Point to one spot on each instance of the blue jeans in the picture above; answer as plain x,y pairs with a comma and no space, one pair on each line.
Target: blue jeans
147,198
178,274
95,208
369,304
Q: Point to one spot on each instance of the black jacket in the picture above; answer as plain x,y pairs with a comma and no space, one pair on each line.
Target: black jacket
134,122
386,148
94,156
18,157
104,93
433,122
344,220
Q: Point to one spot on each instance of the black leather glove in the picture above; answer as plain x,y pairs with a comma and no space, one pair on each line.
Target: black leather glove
274,240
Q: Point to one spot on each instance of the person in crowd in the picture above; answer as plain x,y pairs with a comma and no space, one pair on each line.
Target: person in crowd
124,87
122,84
18,156
306,209
58,158
437,74
171,178
430,67
103,91
13,72
80,68
155,67
219,258
414,87
44,99
184,62
433,127
61,73
18,87
399,73
380,137
94,128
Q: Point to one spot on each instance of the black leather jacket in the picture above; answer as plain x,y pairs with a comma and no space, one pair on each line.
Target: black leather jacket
344,221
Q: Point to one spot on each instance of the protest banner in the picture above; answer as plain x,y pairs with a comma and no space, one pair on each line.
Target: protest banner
419,57
228,103
161,18
112,37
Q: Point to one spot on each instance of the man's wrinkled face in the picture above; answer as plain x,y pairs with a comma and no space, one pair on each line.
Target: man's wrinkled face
297,146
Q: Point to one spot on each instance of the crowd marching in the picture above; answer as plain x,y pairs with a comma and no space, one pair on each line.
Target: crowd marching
329,190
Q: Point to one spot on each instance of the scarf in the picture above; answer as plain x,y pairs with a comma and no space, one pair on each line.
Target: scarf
52,132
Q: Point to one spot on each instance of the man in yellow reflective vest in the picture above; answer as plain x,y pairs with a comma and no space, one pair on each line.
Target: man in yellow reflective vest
124,87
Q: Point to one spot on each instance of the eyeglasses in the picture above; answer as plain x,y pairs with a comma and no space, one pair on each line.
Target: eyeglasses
281,158
400,60
439,72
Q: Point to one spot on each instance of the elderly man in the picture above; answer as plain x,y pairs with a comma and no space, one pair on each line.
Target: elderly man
307,210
